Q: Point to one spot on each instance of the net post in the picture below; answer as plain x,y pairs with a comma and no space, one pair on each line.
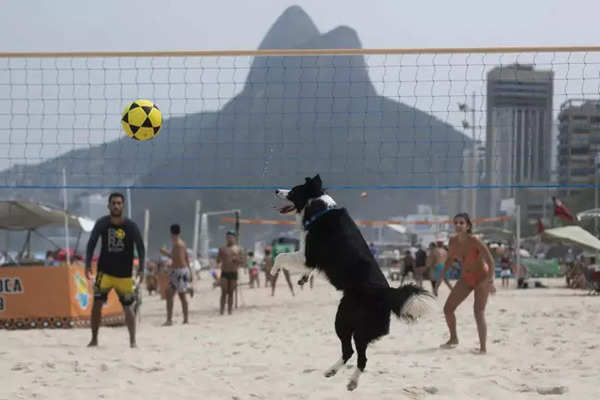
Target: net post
65,204
196,229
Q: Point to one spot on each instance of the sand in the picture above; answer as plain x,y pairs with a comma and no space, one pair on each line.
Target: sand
542,342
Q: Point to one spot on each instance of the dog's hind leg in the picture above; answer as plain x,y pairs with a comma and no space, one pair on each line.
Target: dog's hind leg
361,344
343,329
346,355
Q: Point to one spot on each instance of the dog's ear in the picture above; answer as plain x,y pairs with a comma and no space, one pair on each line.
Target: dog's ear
316,181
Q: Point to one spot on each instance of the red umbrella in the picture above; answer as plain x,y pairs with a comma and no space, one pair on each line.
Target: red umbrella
62,255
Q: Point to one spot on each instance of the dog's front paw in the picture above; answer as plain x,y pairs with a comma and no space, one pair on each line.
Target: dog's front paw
330,372
303,280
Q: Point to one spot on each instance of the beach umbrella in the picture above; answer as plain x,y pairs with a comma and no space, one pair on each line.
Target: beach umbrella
593,213
572,235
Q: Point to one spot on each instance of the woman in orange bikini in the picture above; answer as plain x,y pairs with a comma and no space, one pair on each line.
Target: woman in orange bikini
477,275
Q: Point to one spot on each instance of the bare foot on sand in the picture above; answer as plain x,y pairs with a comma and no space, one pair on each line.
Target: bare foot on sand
450,344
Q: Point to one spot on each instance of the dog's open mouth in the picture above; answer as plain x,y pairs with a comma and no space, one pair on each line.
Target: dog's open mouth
288,208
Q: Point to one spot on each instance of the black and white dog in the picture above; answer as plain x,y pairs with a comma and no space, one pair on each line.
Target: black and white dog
335,246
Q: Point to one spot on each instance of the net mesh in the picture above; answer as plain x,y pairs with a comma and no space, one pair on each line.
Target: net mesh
363,119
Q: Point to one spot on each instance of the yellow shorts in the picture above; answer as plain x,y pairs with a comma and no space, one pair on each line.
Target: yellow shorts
123,287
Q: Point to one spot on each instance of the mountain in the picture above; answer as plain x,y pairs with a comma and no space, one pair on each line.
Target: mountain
292,28
294,117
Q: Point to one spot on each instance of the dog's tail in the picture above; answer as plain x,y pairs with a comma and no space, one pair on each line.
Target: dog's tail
408,302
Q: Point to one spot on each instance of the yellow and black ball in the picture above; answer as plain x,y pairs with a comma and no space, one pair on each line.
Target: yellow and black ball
141,120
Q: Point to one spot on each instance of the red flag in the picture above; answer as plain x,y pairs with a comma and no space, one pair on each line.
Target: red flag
540,226
561,211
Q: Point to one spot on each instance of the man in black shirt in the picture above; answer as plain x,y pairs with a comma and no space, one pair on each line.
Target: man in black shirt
115,265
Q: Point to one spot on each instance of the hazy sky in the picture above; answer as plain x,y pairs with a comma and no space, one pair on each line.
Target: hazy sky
69,25
134,25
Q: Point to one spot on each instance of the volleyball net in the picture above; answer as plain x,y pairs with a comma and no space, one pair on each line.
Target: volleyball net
431,118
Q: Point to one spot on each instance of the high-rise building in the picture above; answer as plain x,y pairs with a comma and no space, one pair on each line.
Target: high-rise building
578,142
467,196
519,129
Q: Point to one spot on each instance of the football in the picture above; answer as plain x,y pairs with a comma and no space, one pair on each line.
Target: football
141,120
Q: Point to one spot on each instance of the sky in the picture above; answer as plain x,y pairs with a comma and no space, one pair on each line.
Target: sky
134,25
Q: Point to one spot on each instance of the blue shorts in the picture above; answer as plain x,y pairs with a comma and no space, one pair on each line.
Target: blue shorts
437,271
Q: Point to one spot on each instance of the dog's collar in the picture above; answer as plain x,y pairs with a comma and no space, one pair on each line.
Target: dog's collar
312,219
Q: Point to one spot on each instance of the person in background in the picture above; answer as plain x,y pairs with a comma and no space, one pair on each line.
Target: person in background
409,266
151,277
505,270
373,249
436,258
50,259
180,274
252,270
440,255
570,257
229,260
420,263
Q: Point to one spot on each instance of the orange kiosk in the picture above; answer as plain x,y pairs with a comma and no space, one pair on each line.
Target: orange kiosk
39,296
50,297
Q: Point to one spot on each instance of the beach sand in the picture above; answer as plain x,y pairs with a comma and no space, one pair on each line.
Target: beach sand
542,342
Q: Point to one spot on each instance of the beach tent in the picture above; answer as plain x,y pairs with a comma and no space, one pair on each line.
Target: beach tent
573,235
17,215
26,215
